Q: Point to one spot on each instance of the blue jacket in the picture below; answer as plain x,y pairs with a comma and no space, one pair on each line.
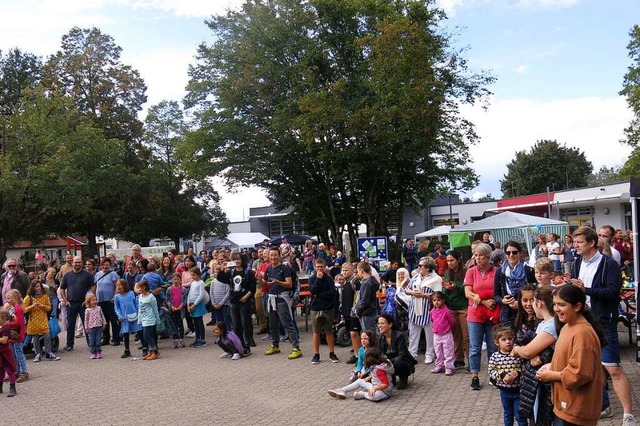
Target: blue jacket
605,289
323,291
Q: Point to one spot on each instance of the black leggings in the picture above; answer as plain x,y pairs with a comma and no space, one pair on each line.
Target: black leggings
198,324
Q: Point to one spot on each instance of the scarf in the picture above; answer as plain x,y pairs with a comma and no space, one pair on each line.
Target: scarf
517,277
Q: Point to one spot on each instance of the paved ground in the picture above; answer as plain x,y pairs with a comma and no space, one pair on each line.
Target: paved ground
195,386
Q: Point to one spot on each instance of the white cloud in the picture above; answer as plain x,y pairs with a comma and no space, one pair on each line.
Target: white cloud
592,124
452,6
188,8
521,69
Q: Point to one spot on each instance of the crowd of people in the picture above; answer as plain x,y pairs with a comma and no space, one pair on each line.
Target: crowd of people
549,326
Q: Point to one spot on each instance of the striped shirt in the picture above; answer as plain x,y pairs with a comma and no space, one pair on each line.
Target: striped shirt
427,285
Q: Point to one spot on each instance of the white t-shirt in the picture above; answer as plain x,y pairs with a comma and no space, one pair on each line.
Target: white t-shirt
552,248
548,326
588,271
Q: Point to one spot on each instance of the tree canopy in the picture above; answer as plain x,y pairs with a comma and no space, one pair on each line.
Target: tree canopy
546,164
346,111
631,91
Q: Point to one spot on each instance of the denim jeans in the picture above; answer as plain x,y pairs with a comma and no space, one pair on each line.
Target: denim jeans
95,339
222,315
108,309
477,333
54,307
18,355
73,310
282,313
510,404
149,338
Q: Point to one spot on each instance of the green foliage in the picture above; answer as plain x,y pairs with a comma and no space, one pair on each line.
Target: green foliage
631,87
606,175
18,70
547,164
345,110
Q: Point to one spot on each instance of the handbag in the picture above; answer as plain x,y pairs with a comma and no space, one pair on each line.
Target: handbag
54,327
133,317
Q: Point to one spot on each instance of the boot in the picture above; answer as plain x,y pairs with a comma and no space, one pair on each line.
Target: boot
402,382
126,354
12,390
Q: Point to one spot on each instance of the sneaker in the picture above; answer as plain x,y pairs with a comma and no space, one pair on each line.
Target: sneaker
437,370
37,358
53,357
182,345
358,395
176,345
266,338
125,354
449,372
337,393
353,377
333,357
352,360
606,413
272,350
628,420
315,359
475,383
225,355
458,364
67,348
247,352
191,334
99,355
203,343
428,360
199,344
236,356
295,353
93,356
79,335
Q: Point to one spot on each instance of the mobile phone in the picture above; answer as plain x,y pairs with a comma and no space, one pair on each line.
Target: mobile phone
231,264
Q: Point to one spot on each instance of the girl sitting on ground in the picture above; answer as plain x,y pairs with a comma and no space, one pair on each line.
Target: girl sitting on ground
379,387
368,340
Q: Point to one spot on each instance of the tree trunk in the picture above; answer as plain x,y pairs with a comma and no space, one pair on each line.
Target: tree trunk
92,251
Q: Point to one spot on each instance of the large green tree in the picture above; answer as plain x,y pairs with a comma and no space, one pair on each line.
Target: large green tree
631,91
345,110
546,164
18,70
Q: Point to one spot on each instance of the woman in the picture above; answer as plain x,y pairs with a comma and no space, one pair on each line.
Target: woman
308,256
402,299
509,280
52,287
575,373
569,253
393,345
453,288
483,310
540,250
189,262
423,249
554,251
166,270
538,351
420,289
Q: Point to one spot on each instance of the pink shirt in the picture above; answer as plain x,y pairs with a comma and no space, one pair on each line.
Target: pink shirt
442,320
176,296
481,283
93,317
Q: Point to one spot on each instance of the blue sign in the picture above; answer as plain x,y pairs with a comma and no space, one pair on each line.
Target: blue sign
374,248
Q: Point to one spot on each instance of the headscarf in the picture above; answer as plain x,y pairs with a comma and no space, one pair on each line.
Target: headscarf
407,277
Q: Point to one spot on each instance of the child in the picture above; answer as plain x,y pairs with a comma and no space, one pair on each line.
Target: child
18,331
196,306
575,372
228,341
368,339
176,301
525,323
126,307
7,363
37,304
148,317
220,296
544,271
94,323
443,321
379,388
504,373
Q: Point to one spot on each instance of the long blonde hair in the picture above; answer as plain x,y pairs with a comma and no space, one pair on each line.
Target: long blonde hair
16,293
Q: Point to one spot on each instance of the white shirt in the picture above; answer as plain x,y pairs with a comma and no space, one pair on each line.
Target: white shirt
552,249
588,270
615,254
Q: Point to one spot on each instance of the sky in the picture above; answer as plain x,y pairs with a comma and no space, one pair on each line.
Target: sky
559,66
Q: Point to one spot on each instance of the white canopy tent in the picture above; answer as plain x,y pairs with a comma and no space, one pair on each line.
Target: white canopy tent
238,240
435,232
515,226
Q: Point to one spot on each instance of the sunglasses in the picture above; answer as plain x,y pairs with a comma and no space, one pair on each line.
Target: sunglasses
510,253
11,266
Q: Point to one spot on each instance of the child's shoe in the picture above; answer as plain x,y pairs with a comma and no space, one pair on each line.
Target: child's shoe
437,370
353,377
38,358
182,345
99,355
93,356
236,356
53,357
12,390
226,355
176,344
449,372
146,355
358,395
337,393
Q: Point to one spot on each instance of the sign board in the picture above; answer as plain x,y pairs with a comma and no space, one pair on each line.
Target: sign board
375,248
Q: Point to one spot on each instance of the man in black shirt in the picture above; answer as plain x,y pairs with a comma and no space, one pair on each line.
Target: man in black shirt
75,286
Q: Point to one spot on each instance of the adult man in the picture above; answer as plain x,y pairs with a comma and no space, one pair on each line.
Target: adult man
410,255
278,277
347,298
285,251
67,267
136,254
599,276
75,286
13,278
606,232
486,238
389,275
366,308
105,280
323,306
